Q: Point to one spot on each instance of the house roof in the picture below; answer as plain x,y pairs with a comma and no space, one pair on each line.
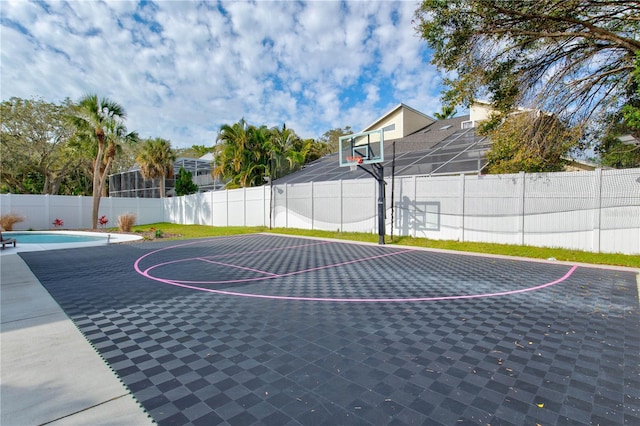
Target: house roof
442,147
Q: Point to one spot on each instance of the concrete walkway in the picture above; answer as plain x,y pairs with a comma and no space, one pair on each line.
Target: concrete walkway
49,373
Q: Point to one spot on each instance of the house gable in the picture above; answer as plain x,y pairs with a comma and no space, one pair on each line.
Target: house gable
400,122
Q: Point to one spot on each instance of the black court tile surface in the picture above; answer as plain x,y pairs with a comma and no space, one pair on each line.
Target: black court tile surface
263,329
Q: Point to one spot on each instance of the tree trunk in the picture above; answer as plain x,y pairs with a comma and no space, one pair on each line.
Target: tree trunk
55,185
103,172
46,187
103,187
97,190
161,179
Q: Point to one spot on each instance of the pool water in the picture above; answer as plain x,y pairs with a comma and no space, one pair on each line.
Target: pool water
50,238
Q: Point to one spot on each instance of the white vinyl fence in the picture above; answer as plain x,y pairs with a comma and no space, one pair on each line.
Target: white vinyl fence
238,207
40,211
596,211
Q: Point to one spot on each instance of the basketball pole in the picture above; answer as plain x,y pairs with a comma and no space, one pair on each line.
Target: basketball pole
381,194
378,175
365,153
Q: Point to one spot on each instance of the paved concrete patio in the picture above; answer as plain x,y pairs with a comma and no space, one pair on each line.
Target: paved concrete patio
49,372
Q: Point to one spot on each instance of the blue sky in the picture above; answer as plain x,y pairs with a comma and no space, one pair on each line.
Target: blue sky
183,68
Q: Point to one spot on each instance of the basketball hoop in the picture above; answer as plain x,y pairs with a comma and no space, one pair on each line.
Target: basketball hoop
354,162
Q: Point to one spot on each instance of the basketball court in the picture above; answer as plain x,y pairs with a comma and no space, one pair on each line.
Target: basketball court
279,330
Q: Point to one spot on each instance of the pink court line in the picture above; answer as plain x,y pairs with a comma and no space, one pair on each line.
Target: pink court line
271,275
270,249
137,263
187,284
234,266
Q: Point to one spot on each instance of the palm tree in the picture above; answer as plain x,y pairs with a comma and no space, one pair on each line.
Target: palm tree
93,119
246,154
256,156
242,155
229,152
115,137
447,111
285,145
156,160
225,152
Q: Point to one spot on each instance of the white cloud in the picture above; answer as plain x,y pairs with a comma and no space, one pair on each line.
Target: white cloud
181,69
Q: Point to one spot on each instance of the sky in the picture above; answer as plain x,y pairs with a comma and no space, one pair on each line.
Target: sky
181,69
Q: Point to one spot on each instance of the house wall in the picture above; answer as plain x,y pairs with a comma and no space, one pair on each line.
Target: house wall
597,211
413,122
396,118
479,111
405,119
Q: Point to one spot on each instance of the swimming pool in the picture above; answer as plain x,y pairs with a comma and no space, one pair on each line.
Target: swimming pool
37,237
54,240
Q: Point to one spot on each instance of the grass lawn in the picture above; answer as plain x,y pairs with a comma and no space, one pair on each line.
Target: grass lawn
178,232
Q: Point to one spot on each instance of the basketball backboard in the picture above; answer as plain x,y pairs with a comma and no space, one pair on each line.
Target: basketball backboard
361,148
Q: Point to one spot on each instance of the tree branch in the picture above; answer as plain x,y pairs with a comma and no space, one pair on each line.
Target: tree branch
630,44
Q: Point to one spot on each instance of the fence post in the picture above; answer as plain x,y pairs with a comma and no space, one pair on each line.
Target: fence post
244,206
522,211
286,205
312,203
597,211
413,213
111,211
341,206
79,223
212,207
461,203
164,209
47,209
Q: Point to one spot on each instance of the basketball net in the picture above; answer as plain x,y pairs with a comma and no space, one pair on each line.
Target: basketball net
354,161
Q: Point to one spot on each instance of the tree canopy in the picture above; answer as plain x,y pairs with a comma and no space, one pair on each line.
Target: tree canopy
35,154
184,184
631,111
573,58
613,152
71,147
530,142
332,136
195,151
240,156
248,155
447,111
156,161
